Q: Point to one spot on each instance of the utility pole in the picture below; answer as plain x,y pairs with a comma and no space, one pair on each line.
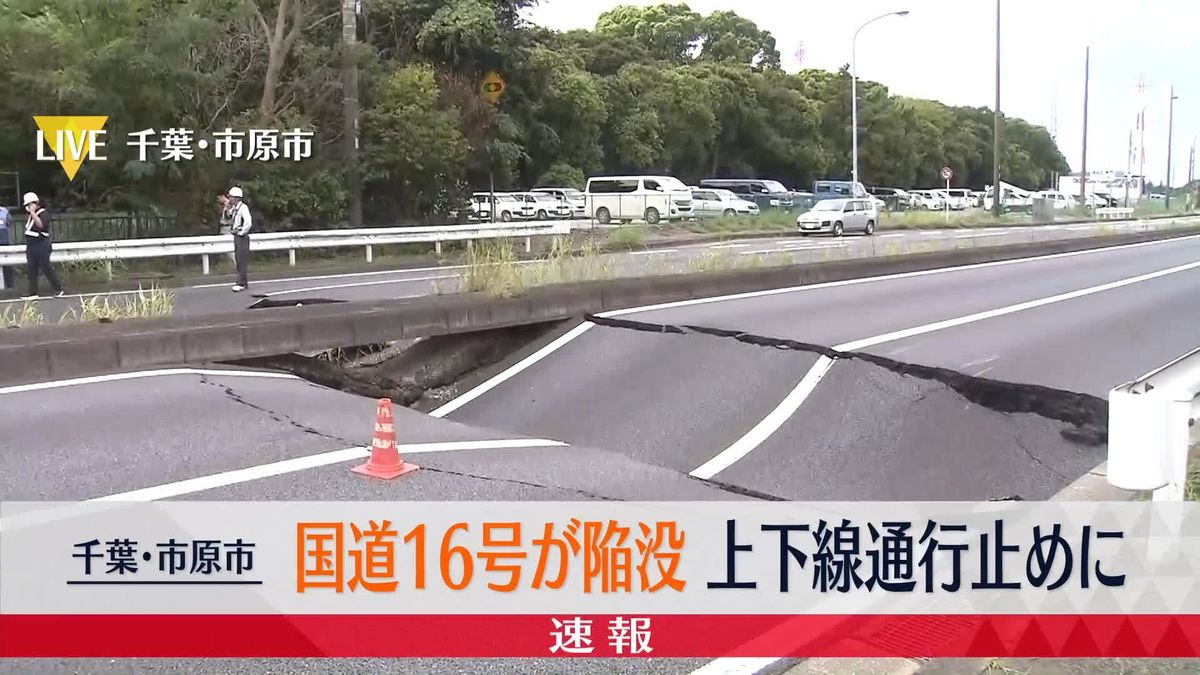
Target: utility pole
1170,128
1054,177
1192,163
350,108
1142,139
1128,168
997,193
1087,66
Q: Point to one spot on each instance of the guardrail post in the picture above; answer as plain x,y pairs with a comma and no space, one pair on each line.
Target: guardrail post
108,269
292,257
204,263
370,253
437,247
528,244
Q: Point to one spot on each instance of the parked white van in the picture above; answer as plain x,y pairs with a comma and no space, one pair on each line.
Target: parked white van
628,198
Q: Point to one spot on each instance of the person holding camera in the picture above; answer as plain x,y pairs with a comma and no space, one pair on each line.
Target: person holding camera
37,246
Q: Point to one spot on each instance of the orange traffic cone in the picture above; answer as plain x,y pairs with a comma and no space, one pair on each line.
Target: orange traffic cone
385,461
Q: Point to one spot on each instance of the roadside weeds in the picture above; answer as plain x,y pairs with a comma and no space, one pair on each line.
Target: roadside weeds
145,303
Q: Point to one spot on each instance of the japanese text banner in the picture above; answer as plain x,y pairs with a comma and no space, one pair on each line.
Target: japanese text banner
742,570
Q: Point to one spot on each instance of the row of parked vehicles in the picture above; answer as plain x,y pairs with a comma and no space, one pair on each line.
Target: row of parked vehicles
655,198
537,204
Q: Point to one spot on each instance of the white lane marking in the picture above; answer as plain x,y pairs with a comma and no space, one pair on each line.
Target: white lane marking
729,245
357,284
511,371
980,362
116,377
1010,309
795,247
74,295
768,425
894,234
734,665
346,275
885,277
985,370
653,251
287,466
237,476
1079,227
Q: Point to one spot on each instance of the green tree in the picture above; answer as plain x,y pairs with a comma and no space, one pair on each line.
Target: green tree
668,32
726,36
563,175
414,151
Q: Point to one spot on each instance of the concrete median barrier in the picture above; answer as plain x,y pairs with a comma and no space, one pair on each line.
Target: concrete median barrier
64,351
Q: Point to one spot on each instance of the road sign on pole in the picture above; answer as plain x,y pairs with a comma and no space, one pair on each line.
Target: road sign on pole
947,174
492,87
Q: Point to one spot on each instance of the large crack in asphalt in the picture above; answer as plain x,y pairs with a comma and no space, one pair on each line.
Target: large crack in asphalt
1087,415
274,415
283,418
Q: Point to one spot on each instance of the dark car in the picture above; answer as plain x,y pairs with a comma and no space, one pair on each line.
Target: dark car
768,194
894,198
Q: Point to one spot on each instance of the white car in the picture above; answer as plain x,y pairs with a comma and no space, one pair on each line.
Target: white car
717,202
575,198
927,200
507,206
947,200
960,198
1059,200
545,206
837,216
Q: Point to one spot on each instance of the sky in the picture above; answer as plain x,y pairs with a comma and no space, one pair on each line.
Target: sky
945,50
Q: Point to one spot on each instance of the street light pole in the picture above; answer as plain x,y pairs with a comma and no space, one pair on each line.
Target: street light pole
997,193
1087,66
1170,128
854,89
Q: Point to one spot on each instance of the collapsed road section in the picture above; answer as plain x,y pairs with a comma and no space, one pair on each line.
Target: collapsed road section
675,396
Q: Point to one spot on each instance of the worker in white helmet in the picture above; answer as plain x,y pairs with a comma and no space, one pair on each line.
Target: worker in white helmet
37,246
240,223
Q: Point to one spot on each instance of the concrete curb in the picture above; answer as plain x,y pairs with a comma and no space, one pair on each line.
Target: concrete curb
63,351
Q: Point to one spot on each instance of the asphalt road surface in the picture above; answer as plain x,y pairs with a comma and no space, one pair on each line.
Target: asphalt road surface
895,387
373,284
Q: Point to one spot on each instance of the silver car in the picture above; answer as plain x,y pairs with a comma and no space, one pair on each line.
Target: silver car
837,216
711,202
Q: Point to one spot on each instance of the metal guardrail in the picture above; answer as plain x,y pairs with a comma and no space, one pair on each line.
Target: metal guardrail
288,241
1114,213
1149,428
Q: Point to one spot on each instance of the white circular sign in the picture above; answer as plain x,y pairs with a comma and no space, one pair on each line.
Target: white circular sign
947,173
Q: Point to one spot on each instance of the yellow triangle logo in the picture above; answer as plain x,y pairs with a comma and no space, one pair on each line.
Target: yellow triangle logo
70,138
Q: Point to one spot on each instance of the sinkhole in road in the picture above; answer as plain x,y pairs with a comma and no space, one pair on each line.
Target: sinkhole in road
427,372
421,373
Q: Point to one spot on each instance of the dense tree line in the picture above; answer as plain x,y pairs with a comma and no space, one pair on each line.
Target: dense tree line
654,89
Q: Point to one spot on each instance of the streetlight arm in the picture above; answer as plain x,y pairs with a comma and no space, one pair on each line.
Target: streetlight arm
854,89
881,16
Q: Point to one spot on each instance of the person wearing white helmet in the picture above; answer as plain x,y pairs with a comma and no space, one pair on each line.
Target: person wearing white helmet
240,223
37,246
